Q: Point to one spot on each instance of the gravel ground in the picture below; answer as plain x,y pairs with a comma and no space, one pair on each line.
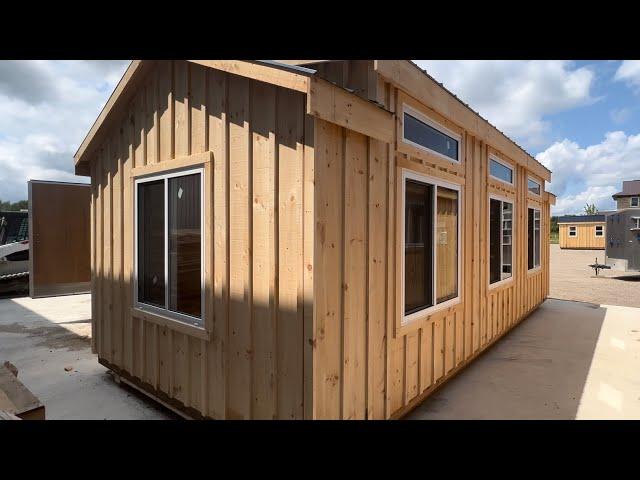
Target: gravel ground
573,279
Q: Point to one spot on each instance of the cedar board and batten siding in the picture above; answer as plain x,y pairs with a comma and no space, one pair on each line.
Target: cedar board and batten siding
364,366
586,236
301,248
250,362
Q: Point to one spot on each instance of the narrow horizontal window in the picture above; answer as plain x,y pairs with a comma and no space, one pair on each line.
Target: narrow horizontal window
500,171
599,230
427,136
500,240
573,231
534,187
533,240
169,245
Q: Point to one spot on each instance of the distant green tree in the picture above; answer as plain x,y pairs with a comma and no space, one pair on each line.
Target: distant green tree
590,209
13,206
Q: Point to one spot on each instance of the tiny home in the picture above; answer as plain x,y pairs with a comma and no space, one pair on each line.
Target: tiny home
304,239
623,229
585,232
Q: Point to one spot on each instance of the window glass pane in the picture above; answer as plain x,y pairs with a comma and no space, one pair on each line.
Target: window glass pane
536,239
427,136
534,187
507,239
184,245
447,245
530,239
500,171
418,228
151,287
494,240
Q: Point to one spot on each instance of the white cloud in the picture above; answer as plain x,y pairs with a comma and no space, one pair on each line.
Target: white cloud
591,174
629,72
620,115
516,95
46,109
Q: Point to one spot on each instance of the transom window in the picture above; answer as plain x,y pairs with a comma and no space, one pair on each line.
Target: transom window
500,171
573,231
426,134
169,245
533,186
533,240
635,201
430,260
599,230
500,240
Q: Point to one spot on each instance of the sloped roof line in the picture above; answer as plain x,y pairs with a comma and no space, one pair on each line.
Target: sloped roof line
477,113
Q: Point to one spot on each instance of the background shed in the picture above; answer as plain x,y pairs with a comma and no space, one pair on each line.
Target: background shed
587,232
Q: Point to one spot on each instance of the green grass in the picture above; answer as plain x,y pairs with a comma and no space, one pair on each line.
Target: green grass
553,237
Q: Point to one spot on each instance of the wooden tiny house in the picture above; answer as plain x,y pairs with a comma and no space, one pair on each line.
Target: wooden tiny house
332,240
586,232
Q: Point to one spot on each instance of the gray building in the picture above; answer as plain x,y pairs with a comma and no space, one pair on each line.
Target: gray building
623,229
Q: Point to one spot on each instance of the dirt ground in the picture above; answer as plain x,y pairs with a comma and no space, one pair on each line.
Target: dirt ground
573,279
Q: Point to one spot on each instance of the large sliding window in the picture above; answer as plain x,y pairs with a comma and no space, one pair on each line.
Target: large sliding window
533,238
500,240
169,245
430,243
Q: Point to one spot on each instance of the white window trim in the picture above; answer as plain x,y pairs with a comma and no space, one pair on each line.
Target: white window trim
432,123
513,224
537,183
601,230
575,231
637,222
505,164
631,202
411,175
165,312
535,268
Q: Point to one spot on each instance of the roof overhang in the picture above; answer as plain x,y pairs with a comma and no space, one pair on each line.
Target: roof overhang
410,78
324,100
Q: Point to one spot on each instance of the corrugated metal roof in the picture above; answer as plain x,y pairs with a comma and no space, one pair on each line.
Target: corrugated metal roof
581,218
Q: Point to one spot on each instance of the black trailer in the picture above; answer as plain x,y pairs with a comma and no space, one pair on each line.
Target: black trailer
623,240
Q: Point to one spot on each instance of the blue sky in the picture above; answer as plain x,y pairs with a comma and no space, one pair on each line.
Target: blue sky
579,118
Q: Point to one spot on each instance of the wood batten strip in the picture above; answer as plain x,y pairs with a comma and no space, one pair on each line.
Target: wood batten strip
175,164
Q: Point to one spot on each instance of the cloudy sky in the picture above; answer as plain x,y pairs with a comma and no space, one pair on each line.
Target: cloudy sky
581,119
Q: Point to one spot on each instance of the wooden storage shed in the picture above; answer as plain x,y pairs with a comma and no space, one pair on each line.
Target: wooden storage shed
586,232
304,239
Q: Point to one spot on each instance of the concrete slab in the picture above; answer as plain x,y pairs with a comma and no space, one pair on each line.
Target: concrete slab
44,338
568,360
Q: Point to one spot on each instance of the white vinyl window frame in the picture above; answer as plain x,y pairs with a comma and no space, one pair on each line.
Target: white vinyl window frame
529,179
535,268
436,182
599,231
636,203
435,125
504,164
513,223
635,220
165,312
573,231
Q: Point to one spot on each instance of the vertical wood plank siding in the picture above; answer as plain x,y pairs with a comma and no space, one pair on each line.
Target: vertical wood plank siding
253,364
302,253
362,367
